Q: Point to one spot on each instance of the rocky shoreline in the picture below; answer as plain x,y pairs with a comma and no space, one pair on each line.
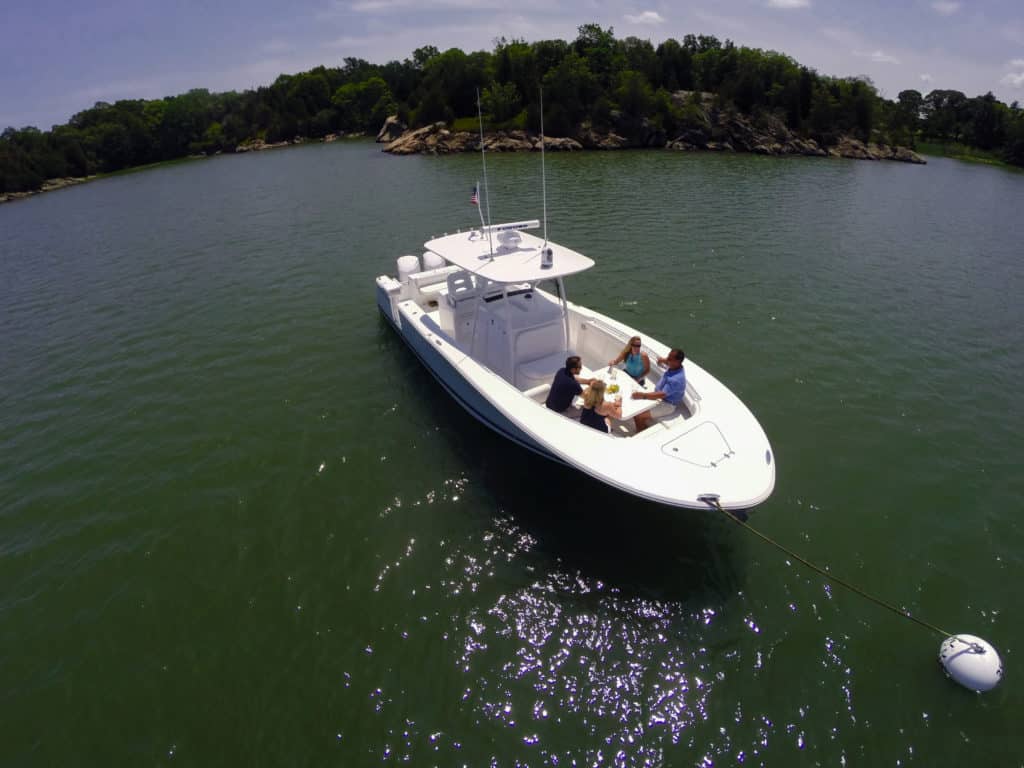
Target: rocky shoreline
258,145
438,140
710,130
48,186
715,132
255,145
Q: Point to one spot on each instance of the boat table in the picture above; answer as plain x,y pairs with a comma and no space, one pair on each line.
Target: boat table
627,386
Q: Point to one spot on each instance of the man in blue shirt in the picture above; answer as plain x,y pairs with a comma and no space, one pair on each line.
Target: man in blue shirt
670,391
566,385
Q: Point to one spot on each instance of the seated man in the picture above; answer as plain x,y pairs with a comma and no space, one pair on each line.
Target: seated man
670,391
566,385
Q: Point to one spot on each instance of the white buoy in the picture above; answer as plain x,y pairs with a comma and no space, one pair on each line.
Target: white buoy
971,661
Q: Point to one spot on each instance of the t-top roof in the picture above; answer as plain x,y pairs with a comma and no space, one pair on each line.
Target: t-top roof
517,256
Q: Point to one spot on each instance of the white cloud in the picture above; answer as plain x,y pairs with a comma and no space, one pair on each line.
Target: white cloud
926,78
646,17
880,57
1016,64
946,7
1014,80
788,4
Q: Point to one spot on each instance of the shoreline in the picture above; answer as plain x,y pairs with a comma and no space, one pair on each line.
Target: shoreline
49,185
437,139
721,133
256,145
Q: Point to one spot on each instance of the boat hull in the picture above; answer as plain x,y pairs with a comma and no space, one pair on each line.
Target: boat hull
475,404
713,454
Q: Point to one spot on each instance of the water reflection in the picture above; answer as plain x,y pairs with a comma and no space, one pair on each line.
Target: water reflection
582,524
576,609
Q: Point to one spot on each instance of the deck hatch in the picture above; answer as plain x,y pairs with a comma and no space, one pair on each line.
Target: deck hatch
702,446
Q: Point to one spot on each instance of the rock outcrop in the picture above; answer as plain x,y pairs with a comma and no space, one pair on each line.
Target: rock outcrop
436,139
391,130
706,128
258,145
48,186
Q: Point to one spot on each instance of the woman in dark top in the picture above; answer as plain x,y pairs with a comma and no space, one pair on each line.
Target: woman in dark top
595,410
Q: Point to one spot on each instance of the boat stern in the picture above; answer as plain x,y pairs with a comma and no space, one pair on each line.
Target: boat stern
388,290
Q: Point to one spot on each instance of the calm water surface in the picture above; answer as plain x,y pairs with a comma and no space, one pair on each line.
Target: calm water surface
240,526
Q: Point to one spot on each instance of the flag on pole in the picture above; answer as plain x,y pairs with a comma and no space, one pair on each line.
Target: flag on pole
475,197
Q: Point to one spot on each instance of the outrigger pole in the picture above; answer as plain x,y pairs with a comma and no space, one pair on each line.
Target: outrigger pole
543,168
483,160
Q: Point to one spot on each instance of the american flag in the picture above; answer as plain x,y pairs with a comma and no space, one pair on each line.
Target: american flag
475,197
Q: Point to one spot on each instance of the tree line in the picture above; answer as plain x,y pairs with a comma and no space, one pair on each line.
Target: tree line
595,81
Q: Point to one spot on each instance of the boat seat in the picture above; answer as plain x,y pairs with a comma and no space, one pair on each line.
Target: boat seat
657,428
460,287
541,370
539,392
573,413
457,306
424,286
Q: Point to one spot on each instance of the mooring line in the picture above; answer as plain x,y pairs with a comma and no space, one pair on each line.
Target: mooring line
713,500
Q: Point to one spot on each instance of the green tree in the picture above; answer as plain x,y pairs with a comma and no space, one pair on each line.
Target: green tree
501,101
570,89
987,128
675,66
423,56
639,56
822,116
1014,147
362,106
634,94
945,115
598,48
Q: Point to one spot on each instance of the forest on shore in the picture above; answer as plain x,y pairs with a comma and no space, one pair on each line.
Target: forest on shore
591,83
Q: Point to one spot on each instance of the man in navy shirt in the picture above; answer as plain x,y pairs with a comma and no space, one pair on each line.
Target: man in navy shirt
566,385
670,391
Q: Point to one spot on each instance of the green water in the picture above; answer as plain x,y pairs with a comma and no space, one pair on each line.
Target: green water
240,526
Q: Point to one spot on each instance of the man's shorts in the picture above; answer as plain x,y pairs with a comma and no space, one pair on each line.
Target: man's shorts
663,410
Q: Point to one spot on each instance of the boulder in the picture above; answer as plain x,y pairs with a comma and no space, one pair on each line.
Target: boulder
511,141
904,155
591,139
853,149
563,144
391,130
415,141
713,129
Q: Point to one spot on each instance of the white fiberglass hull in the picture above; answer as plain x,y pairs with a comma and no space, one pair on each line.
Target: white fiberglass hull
720,451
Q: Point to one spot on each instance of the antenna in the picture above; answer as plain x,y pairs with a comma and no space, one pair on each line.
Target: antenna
543,172
483,159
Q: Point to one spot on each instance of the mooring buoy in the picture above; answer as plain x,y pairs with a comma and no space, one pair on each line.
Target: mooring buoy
971,661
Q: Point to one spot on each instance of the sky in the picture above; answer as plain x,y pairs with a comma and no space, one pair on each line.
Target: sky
58,57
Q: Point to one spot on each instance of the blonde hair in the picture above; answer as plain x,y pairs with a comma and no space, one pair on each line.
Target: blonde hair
594,395
629,348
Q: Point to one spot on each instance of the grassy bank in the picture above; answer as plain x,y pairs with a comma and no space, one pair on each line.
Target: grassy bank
961,152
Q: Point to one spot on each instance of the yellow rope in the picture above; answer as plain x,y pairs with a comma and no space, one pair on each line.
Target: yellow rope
713,500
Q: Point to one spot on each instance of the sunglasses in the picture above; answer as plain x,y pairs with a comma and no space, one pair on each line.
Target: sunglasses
635,345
